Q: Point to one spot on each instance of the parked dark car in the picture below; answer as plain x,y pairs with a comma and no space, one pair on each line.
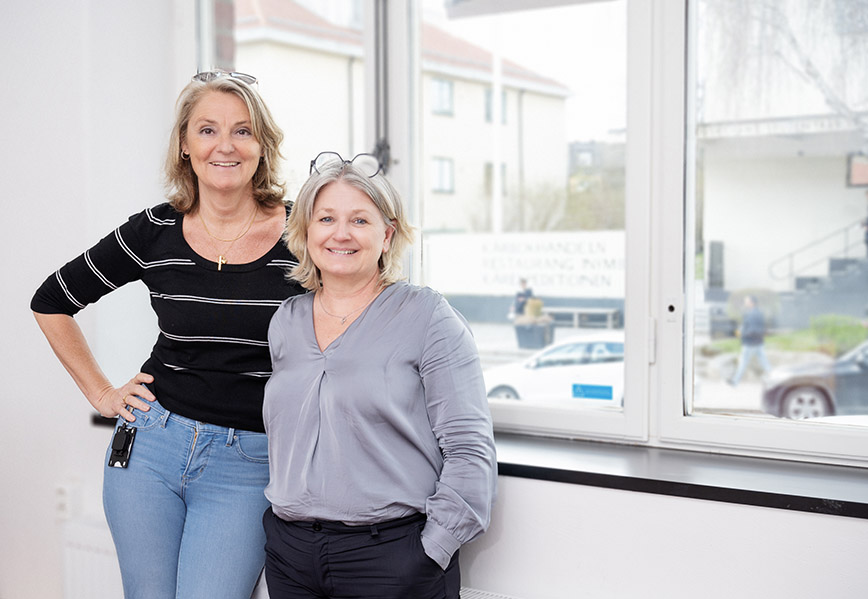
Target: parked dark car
817,390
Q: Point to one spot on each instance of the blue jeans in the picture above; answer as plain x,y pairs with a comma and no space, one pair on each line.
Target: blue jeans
748,352
186,513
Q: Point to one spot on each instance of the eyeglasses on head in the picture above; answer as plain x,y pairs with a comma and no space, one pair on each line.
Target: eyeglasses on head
367,164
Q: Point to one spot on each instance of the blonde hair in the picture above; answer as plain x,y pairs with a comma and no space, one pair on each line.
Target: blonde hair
384,196
181,181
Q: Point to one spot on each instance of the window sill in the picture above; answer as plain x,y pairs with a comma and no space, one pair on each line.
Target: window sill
816,488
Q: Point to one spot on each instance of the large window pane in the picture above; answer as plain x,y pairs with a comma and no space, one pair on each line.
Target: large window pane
527,109
778,198
309,58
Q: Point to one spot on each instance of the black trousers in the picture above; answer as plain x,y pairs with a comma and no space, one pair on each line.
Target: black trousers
328,560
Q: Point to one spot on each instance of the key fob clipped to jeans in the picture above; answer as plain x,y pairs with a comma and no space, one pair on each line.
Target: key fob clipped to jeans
122,445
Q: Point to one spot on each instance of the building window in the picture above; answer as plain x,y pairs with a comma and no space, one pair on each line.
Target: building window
442,175
489,106
441,97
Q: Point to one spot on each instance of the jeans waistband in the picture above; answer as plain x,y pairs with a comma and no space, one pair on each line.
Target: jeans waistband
372,529
166,416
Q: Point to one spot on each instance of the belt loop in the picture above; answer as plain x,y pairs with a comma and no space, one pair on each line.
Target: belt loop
374,531
165,418
229,437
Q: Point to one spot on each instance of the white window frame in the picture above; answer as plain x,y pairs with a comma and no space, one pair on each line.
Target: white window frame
655,309
743,436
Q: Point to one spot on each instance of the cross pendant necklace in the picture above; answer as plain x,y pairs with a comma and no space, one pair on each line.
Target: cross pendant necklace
221,258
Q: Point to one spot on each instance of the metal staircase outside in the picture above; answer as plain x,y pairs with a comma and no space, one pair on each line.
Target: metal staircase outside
841,289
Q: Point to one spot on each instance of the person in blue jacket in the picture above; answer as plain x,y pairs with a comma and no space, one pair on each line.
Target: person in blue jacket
753,332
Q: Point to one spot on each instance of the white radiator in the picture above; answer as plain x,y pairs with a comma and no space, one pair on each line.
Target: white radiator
90,566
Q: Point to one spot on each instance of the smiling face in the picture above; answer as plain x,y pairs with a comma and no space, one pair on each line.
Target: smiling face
347,234
223,151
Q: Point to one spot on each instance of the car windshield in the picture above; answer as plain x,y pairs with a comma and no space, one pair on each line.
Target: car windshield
607,352
570,354
854,353
573,353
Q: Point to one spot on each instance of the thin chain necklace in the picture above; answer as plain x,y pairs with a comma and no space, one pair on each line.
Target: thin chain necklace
343,319
221,256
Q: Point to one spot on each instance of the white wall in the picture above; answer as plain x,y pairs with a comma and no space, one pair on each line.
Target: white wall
762,208
558,541
314,117
88,91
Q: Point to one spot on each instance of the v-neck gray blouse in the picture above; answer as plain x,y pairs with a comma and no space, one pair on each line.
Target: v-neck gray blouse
389,420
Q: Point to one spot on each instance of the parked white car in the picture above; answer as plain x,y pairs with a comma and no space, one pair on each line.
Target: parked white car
588,368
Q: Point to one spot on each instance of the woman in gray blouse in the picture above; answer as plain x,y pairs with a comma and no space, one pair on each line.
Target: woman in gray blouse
382,458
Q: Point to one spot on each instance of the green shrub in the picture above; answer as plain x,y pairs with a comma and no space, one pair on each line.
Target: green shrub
838,332
830,334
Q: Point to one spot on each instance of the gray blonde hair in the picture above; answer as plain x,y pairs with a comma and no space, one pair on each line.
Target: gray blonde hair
384,196
181,181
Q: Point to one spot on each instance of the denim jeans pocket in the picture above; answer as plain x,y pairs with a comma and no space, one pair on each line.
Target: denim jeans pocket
144,420
252,447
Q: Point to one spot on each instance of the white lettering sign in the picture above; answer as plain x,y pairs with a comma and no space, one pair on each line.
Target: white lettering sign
587,264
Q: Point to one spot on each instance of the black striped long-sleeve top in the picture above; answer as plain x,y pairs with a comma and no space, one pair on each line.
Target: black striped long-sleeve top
211,360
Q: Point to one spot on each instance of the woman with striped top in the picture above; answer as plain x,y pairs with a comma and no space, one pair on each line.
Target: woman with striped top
184,506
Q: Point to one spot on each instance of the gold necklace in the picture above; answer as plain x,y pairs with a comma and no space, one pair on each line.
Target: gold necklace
221,256
344,318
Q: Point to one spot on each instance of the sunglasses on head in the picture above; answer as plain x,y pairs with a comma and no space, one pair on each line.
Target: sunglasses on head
206,76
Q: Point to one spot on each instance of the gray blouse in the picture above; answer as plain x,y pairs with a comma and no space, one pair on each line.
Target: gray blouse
390,420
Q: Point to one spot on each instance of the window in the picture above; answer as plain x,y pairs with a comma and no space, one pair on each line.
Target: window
442,175
646,165
773,128
604,268
516,215
766,157
489,106
774,132
441,96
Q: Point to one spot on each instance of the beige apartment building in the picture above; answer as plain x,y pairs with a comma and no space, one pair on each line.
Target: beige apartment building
311,66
